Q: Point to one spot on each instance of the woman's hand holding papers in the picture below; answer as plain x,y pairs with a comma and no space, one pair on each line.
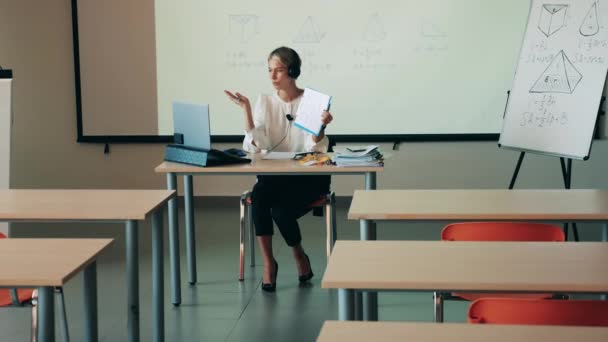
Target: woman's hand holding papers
326,118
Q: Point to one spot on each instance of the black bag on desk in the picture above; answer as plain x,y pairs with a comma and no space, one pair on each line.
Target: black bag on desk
201,157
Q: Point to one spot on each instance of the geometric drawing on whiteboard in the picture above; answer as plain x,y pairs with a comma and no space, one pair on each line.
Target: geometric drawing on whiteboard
591,24
243,27
309,33
431,30
552,18
375,29
559,77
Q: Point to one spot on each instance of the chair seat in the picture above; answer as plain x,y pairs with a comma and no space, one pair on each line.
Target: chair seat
543,312
24,295
318,203
472,296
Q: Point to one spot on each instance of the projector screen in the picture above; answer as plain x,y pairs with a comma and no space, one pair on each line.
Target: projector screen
392,67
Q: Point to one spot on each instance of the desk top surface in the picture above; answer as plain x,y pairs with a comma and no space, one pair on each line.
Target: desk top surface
49,205
479,205
262,166
466,266
433,332
46,262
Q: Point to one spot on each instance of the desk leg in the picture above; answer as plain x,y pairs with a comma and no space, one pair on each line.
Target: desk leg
132,281
358,306
346,305
46,315
91,333
190,238
176,290
368,232
438,308
369,299
158,286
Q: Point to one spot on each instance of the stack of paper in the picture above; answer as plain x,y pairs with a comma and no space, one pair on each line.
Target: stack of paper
368,156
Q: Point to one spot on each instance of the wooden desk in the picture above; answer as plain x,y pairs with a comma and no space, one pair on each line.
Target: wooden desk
258,166
471,205
465,266
128,206
49,263
462,205
455,332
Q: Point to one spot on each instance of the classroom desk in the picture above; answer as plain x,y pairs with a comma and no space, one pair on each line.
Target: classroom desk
258,166
554,267
476,205
336,331
49,263
128,206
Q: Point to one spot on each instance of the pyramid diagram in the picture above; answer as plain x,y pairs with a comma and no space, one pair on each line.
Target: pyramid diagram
590,25
308,33
559,77
552,18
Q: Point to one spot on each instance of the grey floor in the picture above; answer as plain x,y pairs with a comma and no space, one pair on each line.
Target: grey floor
218,307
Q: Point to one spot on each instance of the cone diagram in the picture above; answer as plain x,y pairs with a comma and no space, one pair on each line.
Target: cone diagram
591,25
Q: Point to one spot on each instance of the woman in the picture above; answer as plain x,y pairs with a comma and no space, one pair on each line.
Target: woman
282,199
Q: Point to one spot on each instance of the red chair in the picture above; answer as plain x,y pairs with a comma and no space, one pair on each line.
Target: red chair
326,201
496,231
11,297
541,312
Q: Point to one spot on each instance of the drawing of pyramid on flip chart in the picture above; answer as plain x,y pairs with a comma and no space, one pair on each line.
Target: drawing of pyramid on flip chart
243,27
375,29
559,77
309,33
591,24
552,18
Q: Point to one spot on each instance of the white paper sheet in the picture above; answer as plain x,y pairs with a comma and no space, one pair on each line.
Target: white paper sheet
279,155
312,105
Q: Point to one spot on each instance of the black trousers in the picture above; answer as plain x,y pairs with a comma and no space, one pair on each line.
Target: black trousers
284,199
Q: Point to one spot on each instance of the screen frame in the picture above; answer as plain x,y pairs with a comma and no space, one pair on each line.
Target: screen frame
155,139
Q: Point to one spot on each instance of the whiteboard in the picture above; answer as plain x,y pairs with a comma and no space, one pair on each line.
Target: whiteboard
391,66
560,76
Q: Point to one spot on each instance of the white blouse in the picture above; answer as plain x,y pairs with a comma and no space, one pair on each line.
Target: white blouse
274,132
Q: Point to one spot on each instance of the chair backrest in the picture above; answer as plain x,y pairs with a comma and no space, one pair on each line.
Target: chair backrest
502,231
540,312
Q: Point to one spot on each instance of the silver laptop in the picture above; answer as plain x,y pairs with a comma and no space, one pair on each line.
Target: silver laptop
192,120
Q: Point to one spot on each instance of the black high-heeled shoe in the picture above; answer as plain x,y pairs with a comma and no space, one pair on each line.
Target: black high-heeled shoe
306,277
271,287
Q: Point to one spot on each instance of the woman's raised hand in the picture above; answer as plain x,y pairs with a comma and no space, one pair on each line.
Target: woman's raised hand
243,102
239,99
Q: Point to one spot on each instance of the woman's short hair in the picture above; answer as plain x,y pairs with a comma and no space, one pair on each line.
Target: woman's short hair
290,58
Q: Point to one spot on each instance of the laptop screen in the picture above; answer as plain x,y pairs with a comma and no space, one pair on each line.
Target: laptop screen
192,120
